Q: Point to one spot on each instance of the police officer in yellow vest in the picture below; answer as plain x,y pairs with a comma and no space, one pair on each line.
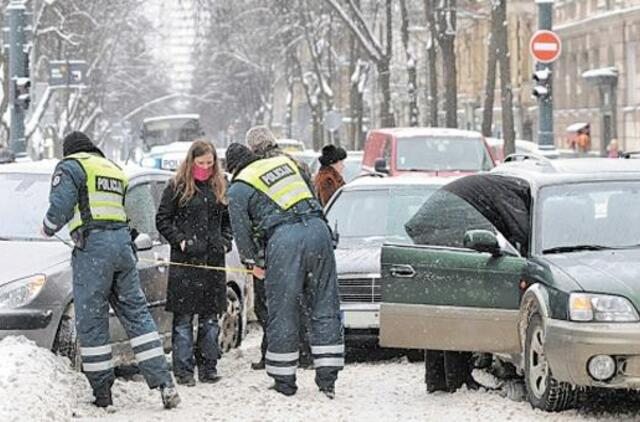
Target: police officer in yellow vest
87,194
271,205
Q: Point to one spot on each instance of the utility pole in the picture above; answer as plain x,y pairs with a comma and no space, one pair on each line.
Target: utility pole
19,82
545,102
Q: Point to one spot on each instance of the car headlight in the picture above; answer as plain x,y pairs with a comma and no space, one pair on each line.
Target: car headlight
604,308
149,162
21,292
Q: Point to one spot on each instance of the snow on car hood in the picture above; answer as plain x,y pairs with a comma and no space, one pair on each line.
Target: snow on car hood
22,259
608,271
358,260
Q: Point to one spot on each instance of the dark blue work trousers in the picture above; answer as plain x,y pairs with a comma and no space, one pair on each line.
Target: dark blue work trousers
300,260
104,272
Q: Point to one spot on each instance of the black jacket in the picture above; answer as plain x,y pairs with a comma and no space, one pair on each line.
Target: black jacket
204,224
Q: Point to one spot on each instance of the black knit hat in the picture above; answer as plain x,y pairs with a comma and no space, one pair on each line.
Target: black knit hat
238,157
76,142
331,155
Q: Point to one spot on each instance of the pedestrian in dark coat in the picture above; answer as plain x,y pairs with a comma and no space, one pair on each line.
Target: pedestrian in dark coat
329,178
193,217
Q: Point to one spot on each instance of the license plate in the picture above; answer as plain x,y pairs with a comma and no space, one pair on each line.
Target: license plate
360,319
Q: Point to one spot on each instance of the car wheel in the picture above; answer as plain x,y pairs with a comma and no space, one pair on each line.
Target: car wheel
231,322
66,340
543,391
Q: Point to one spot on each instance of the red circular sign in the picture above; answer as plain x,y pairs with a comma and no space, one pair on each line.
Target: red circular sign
545,46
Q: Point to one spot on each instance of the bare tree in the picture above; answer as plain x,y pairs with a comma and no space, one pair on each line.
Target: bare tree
237,63
122,73
380,55
432,59
412,74
506,90
490,81
446,37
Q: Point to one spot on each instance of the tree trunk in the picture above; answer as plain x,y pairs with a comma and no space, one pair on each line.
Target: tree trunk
414,113
490,84
318,128
447,37
384,71
432,58
4,105
288,115
506,91
355,97
384,78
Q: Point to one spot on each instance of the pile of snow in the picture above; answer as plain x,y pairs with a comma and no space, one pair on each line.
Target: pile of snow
35,384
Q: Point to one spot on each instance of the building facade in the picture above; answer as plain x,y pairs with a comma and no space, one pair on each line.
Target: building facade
596,76
472,51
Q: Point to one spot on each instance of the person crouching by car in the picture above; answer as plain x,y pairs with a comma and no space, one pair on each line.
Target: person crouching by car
193,217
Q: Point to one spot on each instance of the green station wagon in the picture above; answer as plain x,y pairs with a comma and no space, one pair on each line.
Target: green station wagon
538,263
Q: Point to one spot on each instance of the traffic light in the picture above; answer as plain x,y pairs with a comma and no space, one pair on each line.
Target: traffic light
22,92
542,89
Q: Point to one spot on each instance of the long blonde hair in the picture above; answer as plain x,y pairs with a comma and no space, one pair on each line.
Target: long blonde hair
184,181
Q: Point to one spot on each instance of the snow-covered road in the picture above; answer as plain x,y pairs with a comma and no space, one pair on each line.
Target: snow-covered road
35,385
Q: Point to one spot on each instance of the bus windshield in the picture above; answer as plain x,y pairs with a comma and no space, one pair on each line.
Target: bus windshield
165,130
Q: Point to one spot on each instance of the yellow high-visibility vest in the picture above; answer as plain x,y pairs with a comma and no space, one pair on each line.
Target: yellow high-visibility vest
279,178
103,198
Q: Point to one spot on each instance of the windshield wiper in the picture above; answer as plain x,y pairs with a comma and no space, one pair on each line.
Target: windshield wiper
575,248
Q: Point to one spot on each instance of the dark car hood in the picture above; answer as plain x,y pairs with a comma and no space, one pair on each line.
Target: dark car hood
22,259
608,271
364,260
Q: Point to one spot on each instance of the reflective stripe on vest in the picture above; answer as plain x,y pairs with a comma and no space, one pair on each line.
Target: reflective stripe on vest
105,189
279,178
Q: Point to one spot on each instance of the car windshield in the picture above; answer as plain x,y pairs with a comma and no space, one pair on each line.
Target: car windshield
26,198
442,154
376,215
588,216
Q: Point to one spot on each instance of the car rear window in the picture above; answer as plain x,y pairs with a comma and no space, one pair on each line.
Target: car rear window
436,153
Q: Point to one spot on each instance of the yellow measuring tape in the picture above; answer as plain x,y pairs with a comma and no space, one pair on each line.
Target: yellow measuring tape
204,267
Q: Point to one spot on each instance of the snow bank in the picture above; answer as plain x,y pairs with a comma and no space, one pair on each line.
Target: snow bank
35,384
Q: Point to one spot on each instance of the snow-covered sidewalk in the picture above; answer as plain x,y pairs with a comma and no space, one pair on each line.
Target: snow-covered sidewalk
36,385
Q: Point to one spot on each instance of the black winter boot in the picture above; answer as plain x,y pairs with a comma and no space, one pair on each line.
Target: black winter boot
103,397
258,366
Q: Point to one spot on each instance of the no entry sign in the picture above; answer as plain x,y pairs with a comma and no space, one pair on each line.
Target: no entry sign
545,46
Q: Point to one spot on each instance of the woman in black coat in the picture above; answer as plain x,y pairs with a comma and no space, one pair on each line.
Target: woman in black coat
193,218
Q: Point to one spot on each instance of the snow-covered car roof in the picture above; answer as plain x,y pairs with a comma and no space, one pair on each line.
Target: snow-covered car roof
408,132
47,166
369,181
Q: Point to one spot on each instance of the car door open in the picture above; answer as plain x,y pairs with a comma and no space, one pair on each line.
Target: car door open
447,298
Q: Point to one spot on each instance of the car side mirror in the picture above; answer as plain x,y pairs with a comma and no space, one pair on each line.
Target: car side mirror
380,166
143,242
482,241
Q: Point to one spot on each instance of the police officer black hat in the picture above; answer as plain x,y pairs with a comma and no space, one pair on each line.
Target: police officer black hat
238,157
331,155
77,141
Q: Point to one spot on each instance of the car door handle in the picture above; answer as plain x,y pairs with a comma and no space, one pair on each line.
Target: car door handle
402,271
